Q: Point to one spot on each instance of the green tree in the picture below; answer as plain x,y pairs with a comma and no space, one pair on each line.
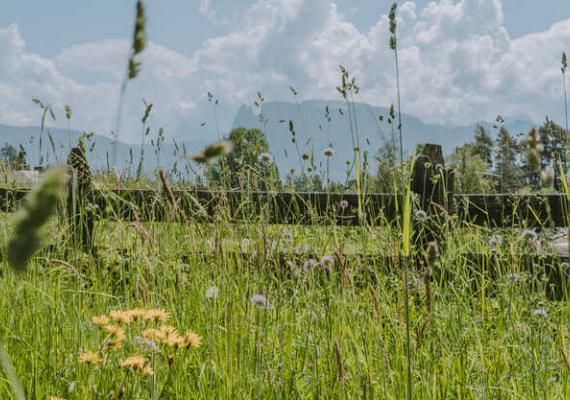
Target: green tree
506,169
13,158
386,171
471,172
248,165
483,146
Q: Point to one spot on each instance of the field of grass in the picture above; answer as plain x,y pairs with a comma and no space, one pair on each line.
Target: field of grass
274,326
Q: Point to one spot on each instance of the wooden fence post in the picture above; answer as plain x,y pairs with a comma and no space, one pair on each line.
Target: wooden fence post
433,185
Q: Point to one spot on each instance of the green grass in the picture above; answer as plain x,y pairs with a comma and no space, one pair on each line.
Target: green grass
482,340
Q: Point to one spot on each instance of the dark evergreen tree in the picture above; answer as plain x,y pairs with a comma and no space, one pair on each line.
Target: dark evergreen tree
507,171
483,146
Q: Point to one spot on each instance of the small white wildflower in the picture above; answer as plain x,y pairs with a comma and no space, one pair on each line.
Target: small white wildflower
309,265
495,241
265,158
343,204
260,301
540,312
421,216
513,277
327,262
529,235
212,293
328,152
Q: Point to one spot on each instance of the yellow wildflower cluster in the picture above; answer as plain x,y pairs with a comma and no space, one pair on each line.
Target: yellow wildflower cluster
170,337
137,363
89,358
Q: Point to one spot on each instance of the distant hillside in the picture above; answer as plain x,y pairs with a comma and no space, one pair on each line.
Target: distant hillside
315,132
103,148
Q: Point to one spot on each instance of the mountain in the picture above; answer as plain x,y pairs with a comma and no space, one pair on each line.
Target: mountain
315,132
100,149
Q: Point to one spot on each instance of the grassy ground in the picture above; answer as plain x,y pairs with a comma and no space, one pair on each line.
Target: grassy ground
337,333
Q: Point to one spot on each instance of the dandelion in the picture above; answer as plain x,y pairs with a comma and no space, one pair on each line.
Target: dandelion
212,293
327,262
329,152
343,204
260,301
421,216
541,312
265,158
156,315
309,265
89,358
135,362
494,242
101,320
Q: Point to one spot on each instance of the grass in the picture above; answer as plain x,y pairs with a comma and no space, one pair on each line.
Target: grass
482,340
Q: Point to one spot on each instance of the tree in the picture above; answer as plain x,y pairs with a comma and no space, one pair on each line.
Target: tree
506,169
386,174
471,172
14,159
248,165
483,146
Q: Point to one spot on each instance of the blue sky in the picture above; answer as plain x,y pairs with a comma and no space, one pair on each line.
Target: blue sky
462,61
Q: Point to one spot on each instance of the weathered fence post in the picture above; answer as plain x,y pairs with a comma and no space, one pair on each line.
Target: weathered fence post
432,184
80,199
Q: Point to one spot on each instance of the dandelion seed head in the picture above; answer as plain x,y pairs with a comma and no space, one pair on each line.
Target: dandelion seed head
309,265
329,152
265,158
327,262
212,292
541,312
260,301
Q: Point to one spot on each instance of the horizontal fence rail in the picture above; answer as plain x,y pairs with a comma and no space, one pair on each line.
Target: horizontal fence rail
493,210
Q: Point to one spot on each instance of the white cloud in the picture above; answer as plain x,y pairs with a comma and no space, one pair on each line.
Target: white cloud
457,63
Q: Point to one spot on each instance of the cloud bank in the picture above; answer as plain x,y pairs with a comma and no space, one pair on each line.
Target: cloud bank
458,65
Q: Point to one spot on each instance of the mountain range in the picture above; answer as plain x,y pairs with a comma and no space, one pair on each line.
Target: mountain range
317,124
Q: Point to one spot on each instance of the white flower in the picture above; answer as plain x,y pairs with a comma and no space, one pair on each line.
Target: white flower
327,262
309,265
260,301
328,152
529,235
547,175
212,293
265,158
540,312
513,277
343,204
421,216
495,241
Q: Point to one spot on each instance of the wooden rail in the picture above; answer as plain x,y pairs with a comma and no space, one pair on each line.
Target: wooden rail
493,210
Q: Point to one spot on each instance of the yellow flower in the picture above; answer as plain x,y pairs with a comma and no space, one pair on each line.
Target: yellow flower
192,339
55,398
89,358
117,333
122,317
156,315
135,362
174,340
148,370
152,334
101,320
136,313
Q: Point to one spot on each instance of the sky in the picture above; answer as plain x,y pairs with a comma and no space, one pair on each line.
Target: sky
461,61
